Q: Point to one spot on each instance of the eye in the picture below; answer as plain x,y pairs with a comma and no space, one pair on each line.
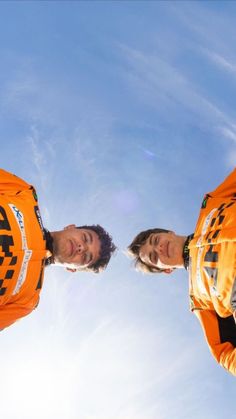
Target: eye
156,240
87,258
154,257
85,238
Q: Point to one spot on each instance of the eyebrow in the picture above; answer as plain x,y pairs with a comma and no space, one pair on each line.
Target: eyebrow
150,239
153,257
150,256
90,236
90,258
87,258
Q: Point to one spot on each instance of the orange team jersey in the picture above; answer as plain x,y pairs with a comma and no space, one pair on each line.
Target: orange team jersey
22,249
212,271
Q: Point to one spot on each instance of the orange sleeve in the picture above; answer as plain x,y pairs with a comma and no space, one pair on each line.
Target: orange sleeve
227,188
11,184
11,312
223,352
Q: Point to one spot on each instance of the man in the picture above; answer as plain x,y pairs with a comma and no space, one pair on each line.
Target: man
26,247
210,257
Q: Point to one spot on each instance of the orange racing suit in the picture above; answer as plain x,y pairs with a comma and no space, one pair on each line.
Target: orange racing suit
22,249
212,271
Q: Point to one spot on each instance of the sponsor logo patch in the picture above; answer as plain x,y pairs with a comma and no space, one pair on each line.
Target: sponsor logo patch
23,271
34,194
38,216
27,253
204,202
20,220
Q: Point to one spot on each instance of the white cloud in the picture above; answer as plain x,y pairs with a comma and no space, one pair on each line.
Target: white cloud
163,84
221,61
37,149
229,133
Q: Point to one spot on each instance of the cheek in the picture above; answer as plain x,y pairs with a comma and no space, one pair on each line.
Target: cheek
172,250
77,259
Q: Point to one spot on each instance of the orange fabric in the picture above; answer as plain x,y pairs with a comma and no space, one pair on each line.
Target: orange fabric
212,268
223,352
22,249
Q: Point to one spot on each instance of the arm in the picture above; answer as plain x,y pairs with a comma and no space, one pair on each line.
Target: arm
11,184
11,312
220,334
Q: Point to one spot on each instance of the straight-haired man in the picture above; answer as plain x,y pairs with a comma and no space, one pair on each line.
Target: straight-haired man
210,257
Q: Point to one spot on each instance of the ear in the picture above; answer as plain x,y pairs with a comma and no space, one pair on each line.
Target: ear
71,270
69,227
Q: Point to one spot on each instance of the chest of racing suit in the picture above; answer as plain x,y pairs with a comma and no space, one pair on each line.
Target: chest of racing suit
212,271
22,249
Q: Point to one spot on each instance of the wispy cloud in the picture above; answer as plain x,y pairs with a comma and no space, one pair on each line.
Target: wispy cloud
229,133
37,150
165,84
41,162
169,91
221,61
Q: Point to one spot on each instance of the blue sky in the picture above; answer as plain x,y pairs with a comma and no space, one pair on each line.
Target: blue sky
120,113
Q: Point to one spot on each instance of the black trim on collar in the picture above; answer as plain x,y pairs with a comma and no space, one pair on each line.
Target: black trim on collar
186,251
49,246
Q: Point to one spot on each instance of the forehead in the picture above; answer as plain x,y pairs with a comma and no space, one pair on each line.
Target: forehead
144,256
161,234
144,251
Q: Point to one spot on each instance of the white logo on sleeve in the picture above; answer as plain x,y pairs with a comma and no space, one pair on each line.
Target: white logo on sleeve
27,252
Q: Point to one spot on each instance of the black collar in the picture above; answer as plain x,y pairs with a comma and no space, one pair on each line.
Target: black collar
186,251
49,246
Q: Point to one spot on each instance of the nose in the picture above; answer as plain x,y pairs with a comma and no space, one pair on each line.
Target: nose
80,248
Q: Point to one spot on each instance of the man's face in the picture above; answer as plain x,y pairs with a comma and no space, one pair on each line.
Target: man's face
163,250
76,248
